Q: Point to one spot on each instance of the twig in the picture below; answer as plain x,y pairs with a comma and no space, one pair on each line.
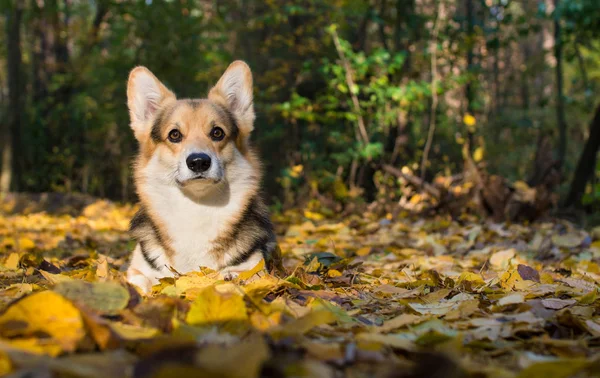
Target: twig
350,82
415,181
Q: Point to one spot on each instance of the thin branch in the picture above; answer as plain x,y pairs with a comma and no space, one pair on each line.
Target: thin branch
434,86
415,181
350,82
584,75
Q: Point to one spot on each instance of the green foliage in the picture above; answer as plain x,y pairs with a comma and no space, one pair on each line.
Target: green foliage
75,134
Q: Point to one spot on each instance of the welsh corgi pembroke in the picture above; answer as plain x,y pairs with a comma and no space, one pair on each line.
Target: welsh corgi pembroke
198,180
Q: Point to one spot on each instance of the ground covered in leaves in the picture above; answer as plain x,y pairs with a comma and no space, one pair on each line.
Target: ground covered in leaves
363,296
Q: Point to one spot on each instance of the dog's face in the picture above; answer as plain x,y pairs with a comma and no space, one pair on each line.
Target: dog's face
191,143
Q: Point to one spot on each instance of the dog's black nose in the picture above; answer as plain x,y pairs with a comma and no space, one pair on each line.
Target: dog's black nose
198,162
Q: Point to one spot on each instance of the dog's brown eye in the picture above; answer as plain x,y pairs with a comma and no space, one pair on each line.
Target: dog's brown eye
217,133
175,136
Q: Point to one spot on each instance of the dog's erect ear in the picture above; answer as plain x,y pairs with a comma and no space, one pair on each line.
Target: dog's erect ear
145,95
234,90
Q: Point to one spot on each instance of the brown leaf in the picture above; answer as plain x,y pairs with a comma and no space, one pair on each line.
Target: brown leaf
528,273
557,304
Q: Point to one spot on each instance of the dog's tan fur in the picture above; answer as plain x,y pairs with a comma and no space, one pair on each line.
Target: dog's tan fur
216,219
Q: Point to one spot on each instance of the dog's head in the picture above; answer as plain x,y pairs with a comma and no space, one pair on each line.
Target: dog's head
191,143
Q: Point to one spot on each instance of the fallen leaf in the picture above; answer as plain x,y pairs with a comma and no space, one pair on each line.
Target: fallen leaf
593,327
55,278
528,273
241,360
260,267
102,269
104,297
432,308
324,351
391,340
304,324
5,364
334,273
554,369
212,307
584,285
510,299
557,304
501,259
569,240
12,262
46,312
132,332
399,322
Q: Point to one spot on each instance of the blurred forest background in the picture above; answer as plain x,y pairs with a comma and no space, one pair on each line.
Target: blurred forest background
358,101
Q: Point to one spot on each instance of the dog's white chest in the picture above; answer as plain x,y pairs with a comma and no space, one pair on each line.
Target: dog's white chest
192,228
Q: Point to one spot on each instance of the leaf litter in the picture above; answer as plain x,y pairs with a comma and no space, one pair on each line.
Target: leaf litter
360,296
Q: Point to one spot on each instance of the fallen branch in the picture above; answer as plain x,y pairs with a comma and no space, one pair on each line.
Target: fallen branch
415,181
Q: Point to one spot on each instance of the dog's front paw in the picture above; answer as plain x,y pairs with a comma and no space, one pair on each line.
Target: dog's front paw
229,275
140,281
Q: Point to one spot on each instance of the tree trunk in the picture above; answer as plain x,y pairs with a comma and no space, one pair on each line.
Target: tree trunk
587,163
525,76
11,130
470,62
560,99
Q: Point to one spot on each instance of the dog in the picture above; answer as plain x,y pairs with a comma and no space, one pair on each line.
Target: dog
197,179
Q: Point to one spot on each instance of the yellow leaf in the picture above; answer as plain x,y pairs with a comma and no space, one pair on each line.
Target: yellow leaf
512,280
26,243
55,278
464,310
257,289
304,324
334,273
501,260
44,312
296,170
190,284
257,268
363,251
469,120
213,307
263,322
546,278
389,340
5,364
313,216
588,298
472,278
399,322
12,262
555,369
35,345
15,291
102,269
132,332
478,154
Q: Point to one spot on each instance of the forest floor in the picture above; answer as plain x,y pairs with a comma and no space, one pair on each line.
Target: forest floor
364,296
